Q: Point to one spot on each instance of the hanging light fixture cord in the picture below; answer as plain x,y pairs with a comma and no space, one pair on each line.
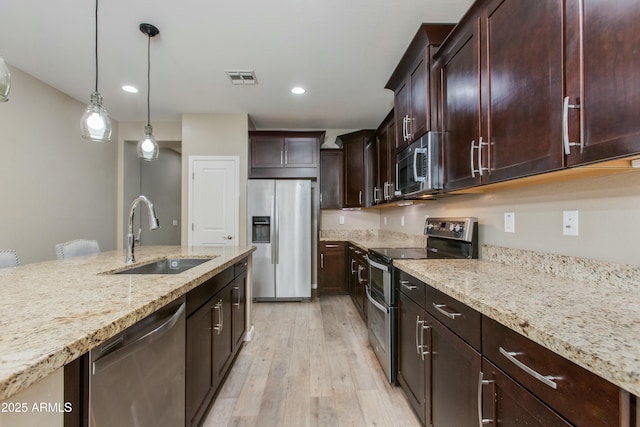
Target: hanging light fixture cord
149,80
96,46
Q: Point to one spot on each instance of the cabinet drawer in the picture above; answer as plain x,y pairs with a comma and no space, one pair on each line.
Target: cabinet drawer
411,287
240,267
460,318
198,296
579,395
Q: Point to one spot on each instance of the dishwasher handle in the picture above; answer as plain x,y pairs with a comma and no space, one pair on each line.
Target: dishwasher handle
153,334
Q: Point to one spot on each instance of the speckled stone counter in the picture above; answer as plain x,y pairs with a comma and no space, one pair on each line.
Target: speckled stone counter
368,239
595,324
55,311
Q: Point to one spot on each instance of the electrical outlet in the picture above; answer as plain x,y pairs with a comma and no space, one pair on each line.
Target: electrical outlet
509,222
570,223
341,219
402,220
385,220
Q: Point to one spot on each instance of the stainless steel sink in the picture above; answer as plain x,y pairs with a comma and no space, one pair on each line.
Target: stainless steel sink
165,266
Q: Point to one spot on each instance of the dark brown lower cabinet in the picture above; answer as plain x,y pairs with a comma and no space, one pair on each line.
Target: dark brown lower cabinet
358,276
199,385
414,367
455,369
513,382
507,403
216,325
239,302
222,338
331,268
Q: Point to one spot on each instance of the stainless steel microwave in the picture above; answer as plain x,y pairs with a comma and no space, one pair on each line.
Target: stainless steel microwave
418,167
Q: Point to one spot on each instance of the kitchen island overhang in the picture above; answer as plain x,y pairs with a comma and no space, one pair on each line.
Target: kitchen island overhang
55,311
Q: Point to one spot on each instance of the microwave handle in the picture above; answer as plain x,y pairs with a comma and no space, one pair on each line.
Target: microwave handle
415,164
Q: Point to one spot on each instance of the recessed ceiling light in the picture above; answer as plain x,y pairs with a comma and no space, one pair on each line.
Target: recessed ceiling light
298,90
130,89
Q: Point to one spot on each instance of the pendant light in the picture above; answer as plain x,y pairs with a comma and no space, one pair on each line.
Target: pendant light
147,146
95,124
5,81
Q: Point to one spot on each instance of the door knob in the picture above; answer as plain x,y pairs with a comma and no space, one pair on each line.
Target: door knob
229,237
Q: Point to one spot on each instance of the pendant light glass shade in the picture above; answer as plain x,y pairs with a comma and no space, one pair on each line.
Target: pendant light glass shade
5,81
95,124
148,148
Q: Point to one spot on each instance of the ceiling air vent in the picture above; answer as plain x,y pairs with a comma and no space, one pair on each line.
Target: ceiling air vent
242,77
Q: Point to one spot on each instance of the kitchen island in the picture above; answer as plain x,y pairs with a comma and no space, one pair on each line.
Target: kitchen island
55,311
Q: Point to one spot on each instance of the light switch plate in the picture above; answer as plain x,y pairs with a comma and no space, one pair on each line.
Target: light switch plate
570,223
402,220
509,222
385,220
341,218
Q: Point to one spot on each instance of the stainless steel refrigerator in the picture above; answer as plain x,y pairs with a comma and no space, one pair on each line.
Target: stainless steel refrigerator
279,215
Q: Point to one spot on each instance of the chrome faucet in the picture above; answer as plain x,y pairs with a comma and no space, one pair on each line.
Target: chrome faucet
154,224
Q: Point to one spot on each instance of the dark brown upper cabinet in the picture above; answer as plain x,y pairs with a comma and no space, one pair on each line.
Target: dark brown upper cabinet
602,80
385,138
414,85
533,87
502,79
282,154
359,168
331,178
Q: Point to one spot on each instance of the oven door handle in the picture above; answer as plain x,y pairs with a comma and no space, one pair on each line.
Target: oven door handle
378,265
375,303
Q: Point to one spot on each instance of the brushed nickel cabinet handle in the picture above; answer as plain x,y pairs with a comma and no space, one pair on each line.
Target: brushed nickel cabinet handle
418,323
218,308
545,379
565,126
237,303
321,260
473,169
407,285
449,314
482,382
480,145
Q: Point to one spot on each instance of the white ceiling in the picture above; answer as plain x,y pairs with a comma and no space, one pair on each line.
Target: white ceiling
341,51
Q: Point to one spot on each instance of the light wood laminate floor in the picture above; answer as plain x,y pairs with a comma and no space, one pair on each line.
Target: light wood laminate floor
309,364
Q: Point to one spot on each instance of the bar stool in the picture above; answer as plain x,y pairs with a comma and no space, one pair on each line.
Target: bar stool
8,258
76,247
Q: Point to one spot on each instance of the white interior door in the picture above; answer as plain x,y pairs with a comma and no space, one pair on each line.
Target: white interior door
215,198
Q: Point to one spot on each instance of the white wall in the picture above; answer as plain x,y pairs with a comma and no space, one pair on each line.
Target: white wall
55,185
161,181
215,135
609,214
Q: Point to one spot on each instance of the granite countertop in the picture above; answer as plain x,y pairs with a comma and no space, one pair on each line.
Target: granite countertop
594,324
55,311
369,239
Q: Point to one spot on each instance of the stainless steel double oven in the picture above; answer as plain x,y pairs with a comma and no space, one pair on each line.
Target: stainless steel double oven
448,238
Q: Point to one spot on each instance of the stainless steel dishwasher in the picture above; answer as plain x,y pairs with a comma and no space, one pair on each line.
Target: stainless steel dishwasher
138,377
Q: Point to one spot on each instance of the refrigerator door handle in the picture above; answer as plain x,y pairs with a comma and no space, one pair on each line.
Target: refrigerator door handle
277,233
273,230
